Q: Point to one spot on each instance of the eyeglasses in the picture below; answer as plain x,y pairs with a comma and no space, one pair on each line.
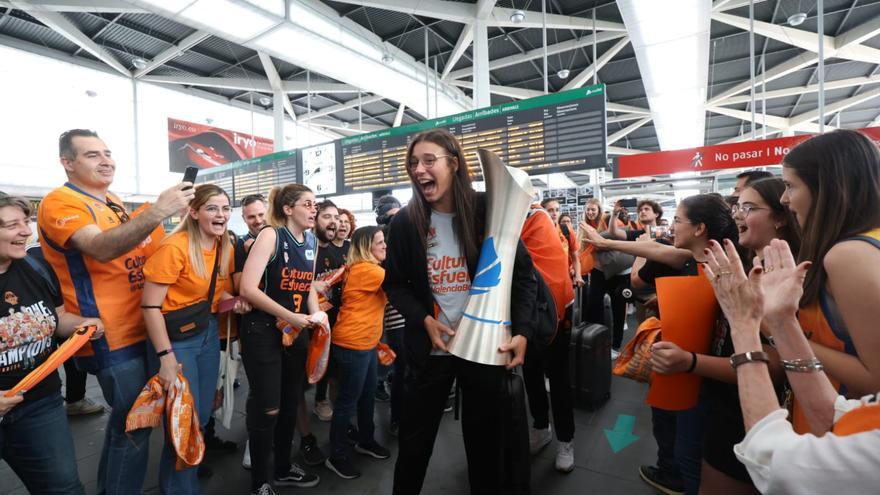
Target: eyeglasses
427,160
119,210
308,205
214,209
746,209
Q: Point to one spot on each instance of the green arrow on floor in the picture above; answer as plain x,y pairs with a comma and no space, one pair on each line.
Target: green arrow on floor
622,435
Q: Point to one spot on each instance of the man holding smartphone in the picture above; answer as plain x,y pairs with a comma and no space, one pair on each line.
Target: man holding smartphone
98,249
649,212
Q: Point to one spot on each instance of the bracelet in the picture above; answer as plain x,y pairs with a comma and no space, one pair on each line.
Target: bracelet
693,362
748,357
166,351
802,365
147,306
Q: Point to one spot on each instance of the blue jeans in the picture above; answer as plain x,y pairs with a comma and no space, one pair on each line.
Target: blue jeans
690,425
35,441
200,357
355,372
124,456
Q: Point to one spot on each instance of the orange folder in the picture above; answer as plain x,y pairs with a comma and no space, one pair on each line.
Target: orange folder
688,310
79,337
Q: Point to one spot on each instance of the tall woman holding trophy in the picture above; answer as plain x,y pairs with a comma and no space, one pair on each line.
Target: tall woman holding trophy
433,253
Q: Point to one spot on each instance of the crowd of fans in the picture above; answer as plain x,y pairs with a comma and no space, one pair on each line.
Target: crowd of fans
784,405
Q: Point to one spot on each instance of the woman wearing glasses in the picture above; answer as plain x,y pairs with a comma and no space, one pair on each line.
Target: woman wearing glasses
277,281
433,248
192,265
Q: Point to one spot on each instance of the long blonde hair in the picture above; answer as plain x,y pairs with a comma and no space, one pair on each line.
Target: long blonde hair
203,193
599,224
362,245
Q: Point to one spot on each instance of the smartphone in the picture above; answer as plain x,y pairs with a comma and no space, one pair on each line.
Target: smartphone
629,202
227,305
658,231
190,175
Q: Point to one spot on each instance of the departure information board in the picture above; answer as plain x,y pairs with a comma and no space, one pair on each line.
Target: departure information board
553,133
255,176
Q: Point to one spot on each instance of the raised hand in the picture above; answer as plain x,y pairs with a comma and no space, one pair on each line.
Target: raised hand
741,298
782,280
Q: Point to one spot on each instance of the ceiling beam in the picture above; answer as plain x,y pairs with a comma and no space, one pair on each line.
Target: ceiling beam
795,63
748,136
806,40
585,75
172,52
461,46
617,136
345,126
722,5
800,90
437,9
105,6
500,17
239,83
858,34
58,23
340,107
776,122
509,91
808,117
623,118
318,87
398,117
617,107
276,83
539,52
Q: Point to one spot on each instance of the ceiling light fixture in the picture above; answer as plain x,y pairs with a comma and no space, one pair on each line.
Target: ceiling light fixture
91,94
387,58
265,101
138,63
209,120
517,16
563,74
797,19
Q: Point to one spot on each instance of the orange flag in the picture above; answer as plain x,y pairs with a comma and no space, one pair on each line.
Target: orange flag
80,336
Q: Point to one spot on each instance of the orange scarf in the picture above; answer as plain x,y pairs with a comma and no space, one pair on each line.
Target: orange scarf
182,419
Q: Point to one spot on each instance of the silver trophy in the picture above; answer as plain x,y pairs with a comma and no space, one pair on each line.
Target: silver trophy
485,324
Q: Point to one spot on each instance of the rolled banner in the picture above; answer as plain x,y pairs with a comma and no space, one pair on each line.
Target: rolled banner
485,323
76,340
688,310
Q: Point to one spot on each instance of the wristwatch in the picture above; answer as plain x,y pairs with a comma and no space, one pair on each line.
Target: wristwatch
748,357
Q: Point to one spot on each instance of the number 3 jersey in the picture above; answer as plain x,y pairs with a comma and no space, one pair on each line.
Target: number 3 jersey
290,271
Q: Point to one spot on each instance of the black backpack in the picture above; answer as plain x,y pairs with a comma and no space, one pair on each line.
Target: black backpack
545,316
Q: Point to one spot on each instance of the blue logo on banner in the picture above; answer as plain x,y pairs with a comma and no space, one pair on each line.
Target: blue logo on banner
488,269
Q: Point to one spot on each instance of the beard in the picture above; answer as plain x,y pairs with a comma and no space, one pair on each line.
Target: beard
325,234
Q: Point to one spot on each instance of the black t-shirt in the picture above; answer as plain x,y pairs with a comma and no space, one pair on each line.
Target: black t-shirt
330,258
27,324
240,252
632,235
652,270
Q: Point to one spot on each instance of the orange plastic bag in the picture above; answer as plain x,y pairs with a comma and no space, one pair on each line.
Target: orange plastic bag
319,347
634,361
79,337
289,333
386,355
689,310
332,279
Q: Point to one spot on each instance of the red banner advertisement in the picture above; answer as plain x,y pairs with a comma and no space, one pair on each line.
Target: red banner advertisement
748,154
203,146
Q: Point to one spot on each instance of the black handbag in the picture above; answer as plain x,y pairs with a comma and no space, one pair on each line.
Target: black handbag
185,323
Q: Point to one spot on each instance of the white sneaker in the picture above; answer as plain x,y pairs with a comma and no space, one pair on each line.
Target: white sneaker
614,354
538,439
565,457
246,458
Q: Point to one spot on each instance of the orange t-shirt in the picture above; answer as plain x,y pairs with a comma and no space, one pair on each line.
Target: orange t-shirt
359,325
549,258
110,291
170,266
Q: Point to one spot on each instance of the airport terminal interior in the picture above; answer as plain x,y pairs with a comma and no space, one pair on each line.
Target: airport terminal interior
622,119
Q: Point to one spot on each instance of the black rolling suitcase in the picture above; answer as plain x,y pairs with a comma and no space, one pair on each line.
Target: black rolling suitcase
589,361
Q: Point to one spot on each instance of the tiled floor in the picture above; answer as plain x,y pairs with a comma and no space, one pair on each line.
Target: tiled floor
598,468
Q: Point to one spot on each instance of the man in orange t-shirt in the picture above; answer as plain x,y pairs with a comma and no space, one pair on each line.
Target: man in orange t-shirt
98,250
549,258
